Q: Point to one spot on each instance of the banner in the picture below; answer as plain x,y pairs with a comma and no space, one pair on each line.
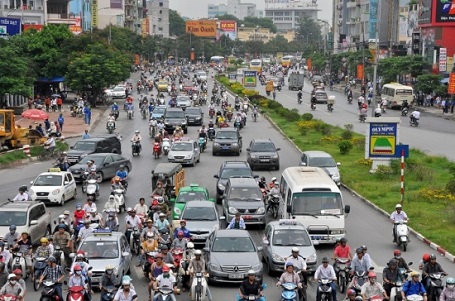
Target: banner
445,11
442,59
382,139
202,28
425,11
249,78
38,27
373,19
145,27
309,64
451,87
10,26
228,28
94,12
359,71
76,28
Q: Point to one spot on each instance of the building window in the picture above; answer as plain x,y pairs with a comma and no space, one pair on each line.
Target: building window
287,13
160,28
161,4
161,11
159,19
278,13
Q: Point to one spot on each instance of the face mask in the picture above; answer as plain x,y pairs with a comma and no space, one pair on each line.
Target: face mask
150,239
397,257
13,282
109,272
126,289
450,286
166,275
78,272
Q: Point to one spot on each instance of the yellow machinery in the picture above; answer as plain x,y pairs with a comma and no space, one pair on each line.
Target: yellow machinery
16,137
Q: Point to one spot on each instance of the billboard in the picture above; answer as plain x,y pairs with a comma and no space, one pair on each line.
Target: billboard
38,27
202,28
382,138
443,60
10,26
228,28
77,27
94,12
445,11
425,12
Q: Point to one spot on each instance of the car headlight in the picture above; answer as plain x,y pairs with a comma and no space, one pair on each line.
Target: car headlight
311,258
83,155
261,210
216,144
198,118
336,175
220,186
215,267
257,267
252,156
177,211
335,232
31,191
232,210
235,144
169,156
275,156
277,258
166,122
188,156
56,191
115,271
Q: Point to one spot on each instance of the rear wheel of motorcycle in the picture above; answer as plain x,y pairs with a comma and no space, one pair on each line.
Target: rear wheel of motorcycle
62,201
36,283
275,212
405,247
198,293
342,283
100,176
84,188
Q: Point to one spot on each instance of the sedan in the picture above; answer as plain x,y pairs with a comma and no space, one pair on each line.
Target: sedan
53,187
116,92
106,164
323,160
194,115
184,152
183,101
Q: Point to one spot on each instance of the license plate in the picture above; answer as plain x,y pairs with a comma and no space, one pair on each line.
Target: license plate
225,147
235,276
265,160
198,237
316,237
95,279
247,217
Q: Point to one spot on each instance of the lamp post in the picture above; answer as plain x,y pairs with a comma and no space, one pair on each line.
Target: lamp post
110,27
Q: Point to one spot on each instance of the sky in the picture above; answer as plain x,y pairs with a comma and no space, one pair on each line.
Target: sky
196,9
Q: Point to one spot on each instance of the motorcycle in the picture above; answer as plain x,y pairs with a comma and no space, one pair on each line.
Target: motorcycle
8,297
135,242
255,116
110,126
156,150
362,117
19,263
350,99
342,268
49,293
152,131
289,292
402,234
199,287
115,113
165,293
377,114
237,106
165,238
109,294
313,106
414,121
144,113
38,269
245,107
211,113
436,286
325,290
92,189
211,133
238,125
202,143
404,111
136,148
75,293
299,100
119,197
274,205
330,107
360,277
229,115
149,260
130,114
166,146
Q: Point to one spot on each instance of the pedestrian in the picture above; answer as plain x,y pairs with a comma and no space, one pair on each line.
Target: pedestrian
54,104
47,124
87,114
47,103
452,103
61,121
86,135
30,102
59,103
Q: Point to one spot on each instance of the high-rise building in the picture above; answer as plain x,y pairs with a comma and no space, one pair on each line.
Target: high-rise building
233,7
158,15
214,10
286,14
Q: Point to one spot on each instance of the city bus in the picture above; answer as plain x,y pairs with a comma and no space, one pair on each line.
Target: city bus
287,61
256,65
216,60
396,93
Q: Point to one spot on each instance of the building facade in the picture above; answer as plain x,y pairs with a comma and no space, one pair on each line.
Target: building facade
158,15
286,14
214,10
233,7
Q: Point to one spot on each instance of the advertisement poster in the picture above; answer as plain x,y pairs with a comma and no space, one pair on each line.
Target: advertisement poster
228,28
249,78
425,11
451,88
202,28
359,71
94,13
38,27
445,11
383,139
10,26
373,19
442,59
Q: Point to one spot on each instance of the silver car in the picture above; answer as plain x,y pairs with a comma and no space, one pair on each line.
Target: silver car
323,160
183,101
229,254
185,152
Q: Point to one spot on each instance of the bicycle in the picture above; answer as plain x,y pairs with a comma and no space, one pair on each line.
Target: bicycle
49,153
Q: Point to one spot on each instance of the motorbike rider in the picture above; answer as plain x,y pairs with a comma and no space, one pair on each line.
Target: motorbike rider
431,268
251,286
397,216
401,263
137,139
5,254
274,191
77,279
180,241
117,184
20,280
404,104
110,118
162,222
390,276
415,115
63,239
155,270
448,293
272,182
22,195
244,116
377,111
197,265
299,95
13,287
363,111
84,231
132,221
183,229
82,262
167,256
313,100
148,245
299,264
141,208
78,215
360,100
359,263
351,296
150,228
130,107
12,236
212,106
95,218
384,104
126,293
43,250
89,206
122,173
372,288
160,190
107,280
237,222
289,276
111,222
54,273
263,184
25,246
413,287
342,250
166,279
326,271
111,204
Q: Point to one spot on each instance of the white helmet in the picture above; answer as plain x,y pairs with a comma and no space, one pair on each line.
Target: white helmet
137,132
198,252
295,249
251,272
273,179
190,245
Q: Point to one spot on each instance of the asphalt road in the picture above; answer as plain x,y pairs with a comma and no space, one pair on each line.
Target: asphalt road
364,225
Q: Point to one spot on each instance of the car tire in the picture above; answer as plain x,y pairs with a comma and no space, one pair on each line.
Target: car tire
185,130
238,153
48,231
199,159
193,163
214,154
277,167
62,201
269,270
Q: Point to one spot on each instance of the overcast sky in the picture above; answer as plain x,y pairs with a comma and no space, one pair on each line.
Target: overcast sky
196,9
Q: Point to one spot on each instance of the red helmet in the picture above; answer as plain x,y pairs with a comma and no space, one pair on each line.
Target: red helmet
351,292
396,252
77,268
166,269
426,257
80,252
371,274
180,233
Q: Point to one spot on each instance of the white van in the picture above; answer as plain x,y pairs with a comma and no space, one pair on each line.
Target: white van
312,198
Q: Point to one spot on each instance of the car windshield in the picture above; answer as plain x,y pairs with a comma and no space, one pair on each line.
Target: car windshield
98,249
235,172
119,89
199,214
322,162
193,111
318,203
159,111
84,146
8,218
175,114
290,237
98,160
233,244
186,196
182,147
226,135
48,180
245,193
183,98
263,147
162,83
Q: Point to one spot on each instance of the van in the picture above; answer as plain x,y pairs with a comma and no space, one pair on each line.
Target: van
313,198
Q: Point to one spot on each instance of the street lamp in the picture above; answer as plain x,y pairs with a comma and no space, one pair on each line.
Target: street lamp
110,27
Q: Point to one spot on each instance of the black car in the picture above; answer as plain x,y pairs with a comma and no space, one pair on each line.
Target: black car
173,118
263,153
107,165
227,141
229,169
194,115
103,144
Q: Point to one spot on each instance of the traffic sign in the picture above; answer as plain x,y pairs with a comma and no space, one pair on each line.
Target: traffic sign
451,87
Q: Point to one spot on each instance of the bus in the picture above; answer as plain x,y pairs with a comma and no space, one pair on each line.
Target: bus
216,60
287,61
256,65
396,93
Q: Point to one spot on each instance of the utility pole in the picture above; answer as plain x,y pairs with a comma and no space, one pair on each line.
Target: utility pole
376,58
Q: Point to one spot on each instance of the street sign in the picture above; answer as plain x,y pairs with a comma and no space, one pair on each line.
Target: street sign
382,138
442,59
10,26
402,148
451,87
249,78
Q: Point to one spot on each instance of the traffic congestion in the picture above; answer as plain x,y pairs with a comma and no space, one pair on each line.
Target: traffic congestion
184,193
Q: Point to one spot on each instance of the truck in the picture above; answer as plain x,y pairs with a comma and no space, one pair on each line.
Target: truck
12,136
296,80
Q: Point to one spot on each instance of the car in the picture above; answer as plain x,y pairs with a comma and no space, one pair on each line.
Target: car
263,153
279,239
107,165
85,147
227,141
175,117
317,80
321,96
230,254
54,187
184,152
187,85
187,194
242,195
27,216
228,169
201,219
102,248
162,86
183,101
202,75
323,160
194,115
116,92
159,112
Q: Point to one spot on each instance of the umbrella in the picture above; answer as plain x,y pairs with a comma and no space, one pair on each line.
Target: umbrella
35,114
56,95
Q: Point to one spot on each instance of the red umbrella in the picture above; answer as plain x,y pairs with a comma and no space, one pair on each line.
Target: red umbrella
35,114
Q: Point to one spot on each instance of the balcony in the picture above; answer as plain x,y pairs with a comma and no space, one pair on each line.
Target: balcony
60,19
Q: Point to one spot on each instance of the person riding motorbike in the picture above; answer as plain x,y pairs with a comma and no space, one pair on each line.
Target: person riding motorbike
415,115
22,195
272,182
116,184
77,279
289,276
313,100
251,286
197,265
274,191
372,288
299,95
359,263
132,221
180,241
137,139
150,228
413,287
107,281
122,173
111,205
430,268
448,293
111,222
43,250
397,216
401,263
237,222
391,275
166,279
126,293
12,287
95,218
54,273
299,264
377,111
186,232
148,245
363,112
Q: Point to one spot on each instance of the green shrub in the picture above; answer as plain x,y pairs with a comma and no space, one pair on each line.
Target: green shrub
345,147
325,129
423,173
395,165
383,172
282,112
450,186
274,105
292,115
307,116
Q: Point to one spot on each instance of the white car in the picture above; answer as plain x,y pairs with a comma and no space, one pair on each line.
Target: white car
202,75
183,101
55,187
184,152
116,92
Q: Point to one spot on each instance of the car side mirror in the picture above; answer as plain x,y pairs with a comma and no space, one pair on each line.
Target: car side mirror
288,208
222,218
106,164
278,149
205,249
255,176
215,176
347,208
33,222
71,147
66,183
31,182
266,242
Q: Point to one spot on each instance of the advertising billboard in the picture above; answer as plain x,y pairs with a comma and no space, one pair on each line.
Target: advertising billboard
249,78
77,27
202,28
425,12
10,26
94,11
445,11
228,28
381,139
38,27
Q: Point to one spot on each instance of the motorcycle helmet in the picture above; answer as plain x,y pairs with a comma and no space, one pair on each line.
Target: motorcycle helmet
414,274
136,132
166,269
17,272
198,253
190,245
109,267
12,276
371,275
44,240
273,179
450,280
398,206
289,264
122,166
295,250
66,212
52,259
350,292
432,256
22,189
12,228
392,262
251,272
262,179
426,257
343,240
359,250
358,298
126,282
77,268
182,221
159,255
180,233
396,252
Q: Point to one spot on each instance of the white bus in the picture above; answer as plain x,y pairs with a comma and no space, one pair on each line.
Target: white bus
396,93
287,61
256,65
312,198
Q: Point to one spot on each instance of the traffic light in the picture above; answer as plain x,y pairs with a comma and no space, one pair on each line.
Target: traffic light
415,43
330,41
